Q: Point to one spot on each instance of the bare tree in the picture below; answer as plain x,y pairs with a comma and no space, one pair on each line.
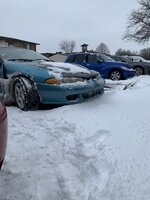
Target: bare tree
145,53
102,48
67,46
138,28
123,52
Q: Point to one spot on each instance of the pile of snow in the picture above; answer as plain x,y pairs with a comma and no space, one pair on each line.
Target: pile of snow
96,150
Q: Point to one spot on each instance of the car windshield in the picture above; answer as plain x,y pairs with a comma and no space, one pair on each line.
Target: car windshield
105,57
20,54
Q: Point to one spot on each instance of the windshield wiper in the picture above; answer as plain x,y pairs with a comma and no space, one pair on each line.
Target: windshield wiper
20,59
41,59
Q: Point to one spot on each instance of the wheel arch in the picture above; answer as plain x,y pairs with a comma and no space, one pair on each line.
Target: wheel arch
115,68
139,66
30,92
24,77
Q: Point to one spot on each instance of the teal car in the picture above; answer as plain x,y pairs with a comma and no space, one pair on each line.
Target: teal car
28,78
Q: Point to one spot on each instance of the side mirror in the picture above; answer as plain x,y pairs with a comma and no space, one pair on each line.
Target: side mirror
99,61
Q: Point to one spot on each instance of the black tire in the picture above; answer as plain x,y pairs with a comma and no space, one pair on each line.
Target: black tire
26,96
1,163
139,70
115,74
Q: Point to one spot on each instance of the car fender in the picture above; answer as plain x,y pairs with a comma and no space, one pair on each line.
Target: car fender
109,68
7,86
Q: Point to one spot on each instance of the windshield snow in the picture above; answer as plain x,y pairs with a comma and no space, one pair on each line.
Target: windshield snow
20,54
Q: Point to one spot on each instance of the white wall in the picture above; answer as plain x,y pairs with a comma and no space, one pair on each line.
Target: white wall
58,58
2,43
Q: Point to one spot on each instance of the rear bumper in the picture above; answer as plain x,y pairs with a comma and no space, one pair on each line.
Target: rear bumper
70,94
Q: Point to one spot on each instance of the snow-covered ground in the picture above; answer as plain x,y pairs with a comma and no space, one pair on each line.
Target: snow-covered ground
96,150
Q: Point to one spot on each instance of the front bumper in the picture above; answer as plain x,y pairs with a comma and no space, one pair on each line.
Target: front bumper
70,93
129,73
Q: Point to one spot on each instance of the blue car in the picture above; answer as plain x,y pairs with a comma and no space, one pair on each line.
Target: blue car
107,67
28,78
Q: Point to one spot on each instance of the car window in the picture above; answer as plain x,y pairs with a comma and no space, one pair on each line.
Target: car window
121,59
105,57
92,58
79,58
71,58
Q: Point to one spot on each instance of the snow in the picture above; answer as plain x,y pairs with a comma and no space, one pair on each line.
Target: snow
96,150
61,67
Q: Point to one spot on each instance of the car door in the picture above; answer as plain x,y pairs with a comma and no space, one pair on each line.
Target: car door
87,60
94,62
79,59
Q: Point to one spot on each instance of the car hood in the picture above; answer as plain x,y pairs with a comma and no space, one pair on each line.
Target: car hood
45,69
64,67
68,70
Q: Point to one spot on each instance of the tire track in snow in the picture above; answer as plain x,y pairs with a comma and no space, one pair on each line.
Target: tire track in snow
84,172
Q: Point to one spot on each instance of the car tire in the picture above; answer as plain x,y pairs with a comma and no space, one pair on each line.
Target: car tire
1,163
115,74
25,94
139,71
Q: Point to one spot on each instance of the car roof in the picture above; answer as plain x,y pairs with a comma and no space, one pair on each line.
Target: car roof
92,53
12,48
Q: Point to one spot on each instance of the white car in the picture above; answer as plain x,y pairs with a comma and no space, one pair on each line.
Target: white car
138,59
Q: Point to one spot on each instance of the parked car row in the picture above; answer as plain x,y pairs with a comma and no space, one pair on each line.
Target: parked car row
141,66
105,65
28,78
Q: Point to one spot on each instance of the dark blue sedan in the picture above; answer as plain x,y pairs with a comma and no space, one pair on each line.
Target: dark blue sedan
28,78
107,67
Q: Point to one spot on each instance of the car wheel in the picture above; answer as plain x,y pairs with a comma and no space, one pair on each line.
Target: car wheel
115,75
139,71
26,96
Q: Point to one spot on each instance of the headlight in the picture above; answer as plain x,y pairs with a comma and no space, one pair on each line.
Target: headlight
72,80
52,81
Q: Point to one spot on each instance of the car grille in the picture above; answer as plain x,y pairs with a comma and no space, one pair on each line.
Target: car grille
71,80
84,95
81,77
91,94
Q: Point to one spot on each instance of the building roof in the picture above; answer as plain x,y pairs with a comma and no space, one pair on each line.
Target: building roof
84,45
15,39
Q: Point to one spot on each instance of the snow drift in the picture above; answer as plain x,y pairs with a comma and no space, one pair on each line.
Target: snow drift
96,150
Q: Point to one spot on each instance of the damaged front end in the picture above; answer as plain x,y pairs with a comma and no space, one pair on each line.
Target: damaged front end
79,77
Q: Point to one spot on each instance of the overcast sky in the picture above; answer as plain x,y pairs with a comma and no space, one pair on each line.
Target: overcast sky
48,22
